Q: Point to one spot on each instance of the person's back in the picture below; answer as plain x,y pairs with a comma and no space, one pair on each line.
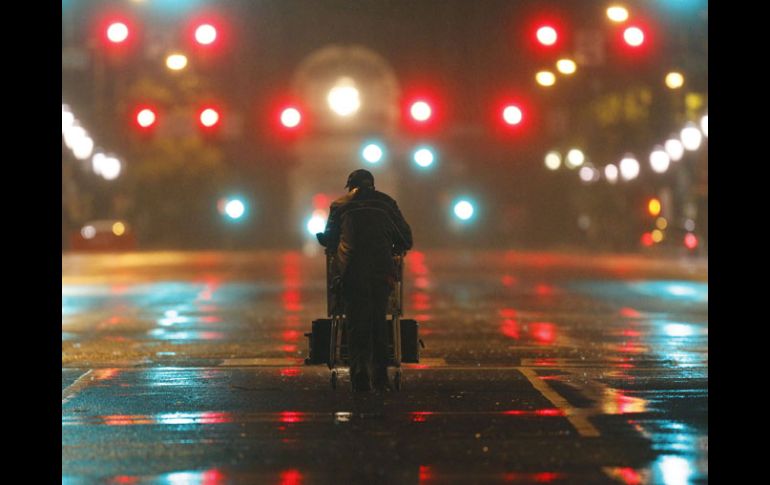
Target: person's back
364,229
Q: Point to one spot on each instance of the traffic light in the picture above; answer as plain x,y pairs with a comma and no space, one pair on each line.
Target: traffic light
654,207
291,117
633,36
424,157
546,35
209,118
512,115
420,111
205,34
117,32
146,117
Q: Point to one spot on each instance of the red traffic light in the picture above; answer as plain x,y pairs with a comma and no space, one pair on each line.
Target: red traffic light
146,117
546,35
512,115
420,111
633,36
205,34
117,32
209,117
291,117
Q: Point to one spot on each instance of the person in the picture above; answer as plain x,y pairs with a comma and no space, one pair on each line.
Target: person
364,230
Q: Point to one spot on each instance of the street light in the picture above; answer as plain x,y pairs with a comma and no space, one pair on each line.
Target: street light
691,137
566,66
617,13
545,78
146,118
629,167
611,173
176,62
674,80
553,160
463,210
674,148
659,159
575,158
343,98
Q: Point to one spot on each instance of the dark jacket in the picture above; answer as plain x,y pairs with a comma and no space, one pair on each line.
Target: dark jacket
366,228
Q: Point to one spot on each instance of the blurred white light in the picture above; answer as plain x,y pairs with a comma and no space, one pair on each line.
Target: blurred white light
566,66
553,160
420,111
316,223
97,162
674,80
110,168
689,224
675,470
704,125
679,329
634,36
463,210
629,168
290,117
83,148
176,62
73,134
88,232
691,137
67,120
372,153
617,13
344,99
584,222
205,34
575,158
512,115
423,157
659,159
675,149
117,32
234,209
586,174
611,173
545,78
546,35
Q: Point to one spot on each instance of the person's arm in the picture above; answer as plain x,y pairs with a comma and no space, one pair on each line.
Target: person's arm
330,238
403,228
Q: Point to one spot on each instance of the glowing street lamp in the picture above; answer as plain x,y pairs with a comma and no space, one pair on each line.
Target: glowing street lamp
176,62
674,80
659,159
674,148
575,158
553,160
617,13
566,66
691,137
545,78
629,168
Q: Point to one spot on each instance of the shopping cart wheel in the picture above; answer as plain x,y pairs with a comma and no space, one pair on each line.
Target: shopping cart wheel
397,380
334,379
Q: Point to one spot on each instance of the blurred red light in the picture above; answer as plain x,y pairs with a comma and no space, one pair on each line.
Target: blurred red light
209,117
205,34
291,117
512,115
420,111
633,36
117,32
146,118
547,35
691,241
647,239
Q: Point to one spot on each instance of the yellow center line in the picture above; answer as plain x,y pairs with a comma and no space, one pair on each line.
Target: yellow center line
575,416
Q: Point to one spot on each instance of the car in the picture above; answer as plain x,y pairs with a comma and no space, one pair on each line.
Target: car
104,235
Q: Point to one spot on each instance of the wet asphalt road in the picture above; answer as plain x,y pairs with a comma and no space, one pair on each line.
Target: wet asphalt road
187,368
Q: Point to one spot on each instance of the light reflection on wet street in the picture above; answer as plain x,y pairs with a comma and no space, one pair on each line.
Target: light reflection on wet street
538,368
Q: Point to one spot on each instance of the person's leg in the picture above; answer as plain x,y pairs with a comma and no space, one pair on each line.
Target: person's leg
357,310
380,338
